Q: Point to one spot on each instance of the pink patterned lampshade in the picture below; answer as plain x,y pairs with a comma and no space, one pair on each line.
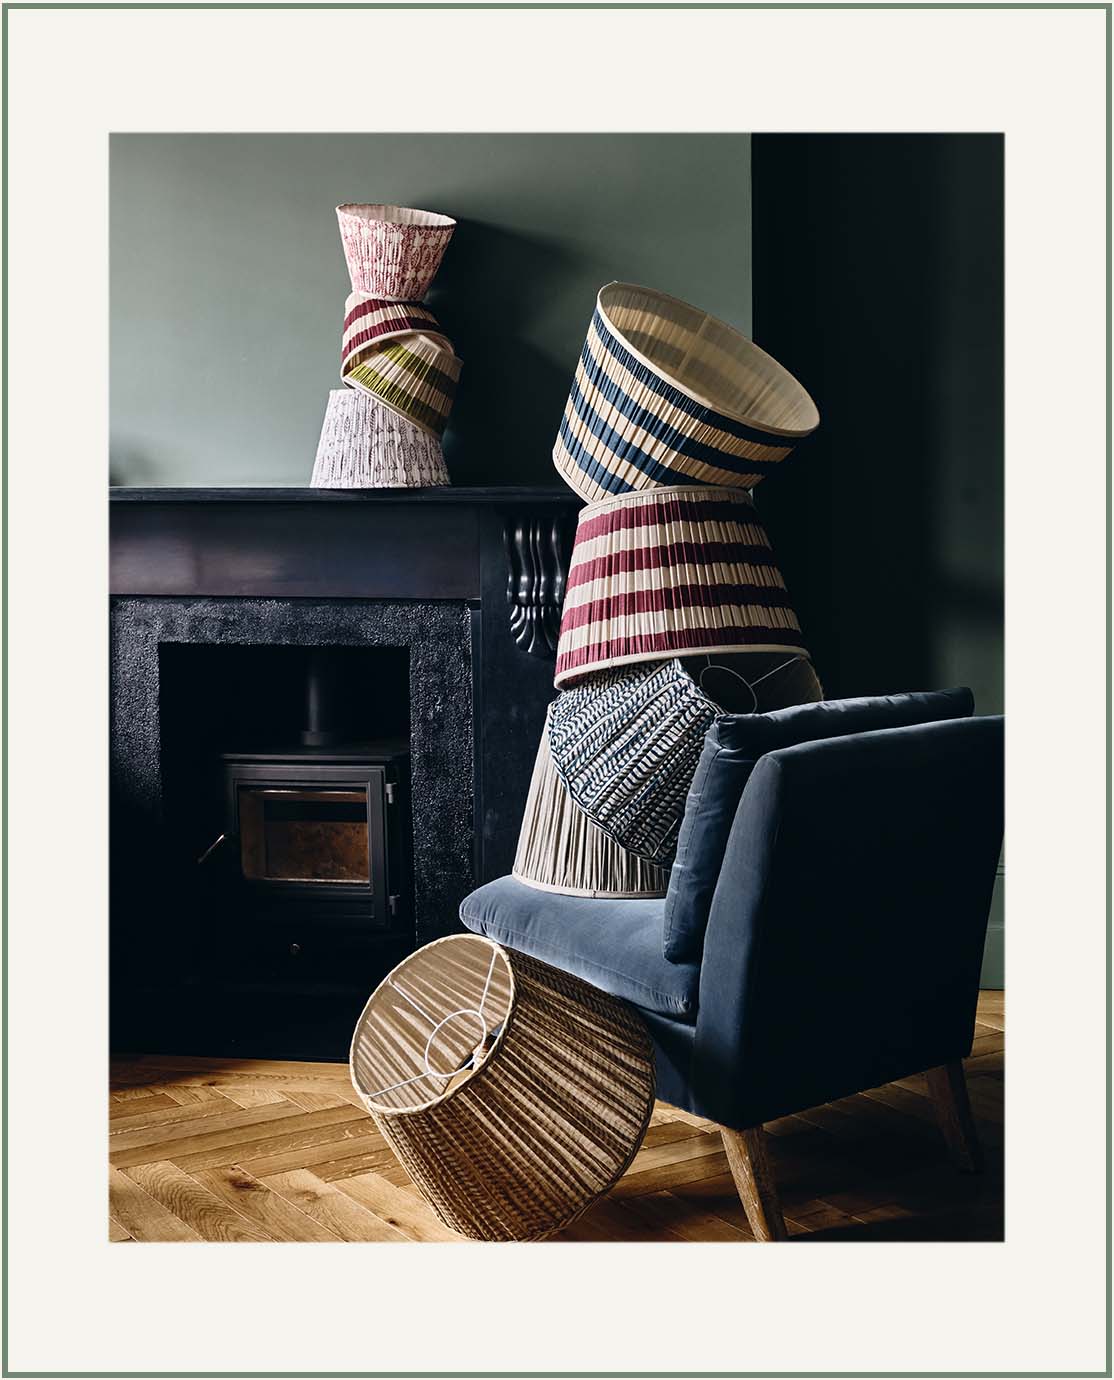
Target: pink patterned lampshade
393,252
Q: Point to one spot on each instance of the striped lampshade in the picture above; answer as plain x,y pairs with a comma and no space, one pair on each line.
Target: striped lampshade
369,321
393,252
665,394
671,572
414,375
365,445
560,849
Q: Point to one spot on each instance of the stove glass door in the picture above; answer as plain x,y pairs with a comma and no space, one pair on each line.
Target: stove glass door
305,834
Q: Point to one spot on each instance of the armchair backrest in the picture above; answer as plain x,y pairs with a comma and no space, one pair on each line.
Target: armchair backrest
846,931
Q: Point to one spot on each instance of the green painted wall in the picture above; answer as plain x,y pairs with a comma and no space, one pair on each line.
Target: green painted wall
228,281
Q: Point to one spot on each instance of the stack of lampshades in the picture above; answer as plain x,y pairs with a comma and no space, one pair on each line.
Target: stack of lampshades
384,428
675,610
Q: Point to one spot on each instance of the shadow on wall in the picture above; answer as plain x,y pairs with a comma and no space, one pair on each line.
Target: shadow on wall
511,393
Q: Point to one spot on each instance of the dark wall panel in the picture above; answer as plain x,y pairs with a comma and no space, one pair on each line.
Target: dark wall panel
878,279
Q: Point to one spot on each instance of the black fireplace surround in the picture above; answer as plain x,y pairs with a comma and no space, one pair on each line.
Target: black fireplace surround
457,591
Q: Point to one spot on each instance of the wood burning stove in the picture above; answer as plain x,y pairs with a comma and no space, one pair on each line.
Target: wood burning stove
314,878
318,833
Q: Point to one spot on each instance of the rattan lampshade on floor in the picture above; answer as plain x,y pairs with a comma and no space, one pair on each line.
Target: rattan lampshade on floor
671,572
560,849
665,394
513,1094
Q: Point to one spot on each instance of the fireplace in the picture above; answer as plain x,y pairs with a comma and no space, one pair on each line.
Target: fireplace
324,714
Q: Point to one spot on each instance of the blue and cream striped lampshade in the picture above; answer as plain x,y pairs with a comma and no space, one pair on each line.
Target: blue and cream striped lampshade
665,394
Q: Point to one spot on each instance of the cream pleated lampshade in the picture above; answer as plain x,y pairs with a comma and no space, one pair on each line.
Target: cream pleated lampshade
560,849
665,394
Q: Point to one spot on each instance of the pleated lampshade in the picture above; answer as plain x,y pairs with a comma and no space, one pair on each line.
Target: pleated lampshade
364,445
671,572
415,375
513,1094
560,849
393,252
665,394
369,321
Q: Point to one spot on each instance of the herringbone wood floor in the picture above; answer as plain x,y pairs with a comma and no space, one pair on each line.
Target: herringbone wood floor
235,1150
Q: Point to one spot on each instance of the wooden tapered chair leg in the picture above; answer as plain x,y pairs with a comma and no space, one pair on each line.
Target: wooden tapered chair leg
754,1179
947,1086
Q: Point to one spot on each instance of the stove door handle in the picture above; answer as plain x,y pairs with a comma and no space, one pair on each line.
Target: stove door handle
216,843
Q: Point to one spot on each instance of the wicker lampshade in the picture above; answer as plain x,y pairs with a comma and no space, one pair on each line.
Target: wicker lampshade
364,445
393,252
671,572
513,1094
665,394
560,849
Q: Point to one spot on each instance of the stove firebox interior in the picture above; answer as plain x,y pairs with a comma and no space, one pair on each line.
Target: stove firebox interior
286,775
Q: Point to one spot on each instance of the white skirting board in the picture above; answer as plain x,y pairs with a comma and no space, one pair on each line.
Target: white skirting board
994,954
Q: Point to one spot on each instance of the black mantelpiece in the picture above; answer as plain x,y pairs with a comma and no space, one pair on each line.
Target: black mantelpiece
435,570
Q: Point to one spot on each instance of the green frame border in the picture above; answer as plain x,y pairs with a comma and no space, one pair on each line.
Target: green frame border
538,1374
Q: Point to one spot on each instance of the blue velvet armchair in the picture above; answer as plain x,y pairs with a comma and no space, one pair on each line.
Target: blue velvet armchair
844,927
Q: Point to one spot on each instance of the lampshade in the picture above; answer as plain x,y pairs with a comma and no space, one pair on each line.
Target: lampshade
365,445
671,572
414,375
665,394
625,743
393,252
369,321
513,1094
560,849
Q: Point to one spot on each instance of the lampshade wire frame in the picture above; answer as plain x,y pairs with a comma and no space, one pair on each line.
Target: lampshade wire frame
470,1062
750,684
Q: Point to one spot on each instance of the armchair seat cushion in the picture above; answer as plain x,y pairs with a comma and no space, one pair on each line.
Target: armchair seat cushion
615,945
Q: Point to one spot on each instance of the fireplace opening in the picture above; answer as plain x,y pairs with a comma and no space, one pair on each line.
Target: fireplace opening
286,799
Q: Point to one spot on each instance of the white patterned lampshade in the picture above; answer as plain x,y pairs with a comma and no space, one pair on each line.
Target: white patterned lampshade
366,445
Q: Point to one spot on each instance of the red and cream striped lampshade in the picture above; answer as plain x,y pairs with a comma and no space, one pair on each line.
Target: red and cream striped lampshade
665,394
671,572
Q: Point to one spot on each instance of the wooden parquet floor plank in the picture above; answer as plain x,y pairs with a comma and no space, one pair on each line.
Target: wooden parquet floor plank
144,1218
260,1204
404,1211
182,1195
338,1212
259,1150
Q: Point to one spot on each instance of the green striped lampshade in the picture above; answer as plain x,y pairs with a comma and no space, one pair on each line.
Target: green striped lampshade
415,375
